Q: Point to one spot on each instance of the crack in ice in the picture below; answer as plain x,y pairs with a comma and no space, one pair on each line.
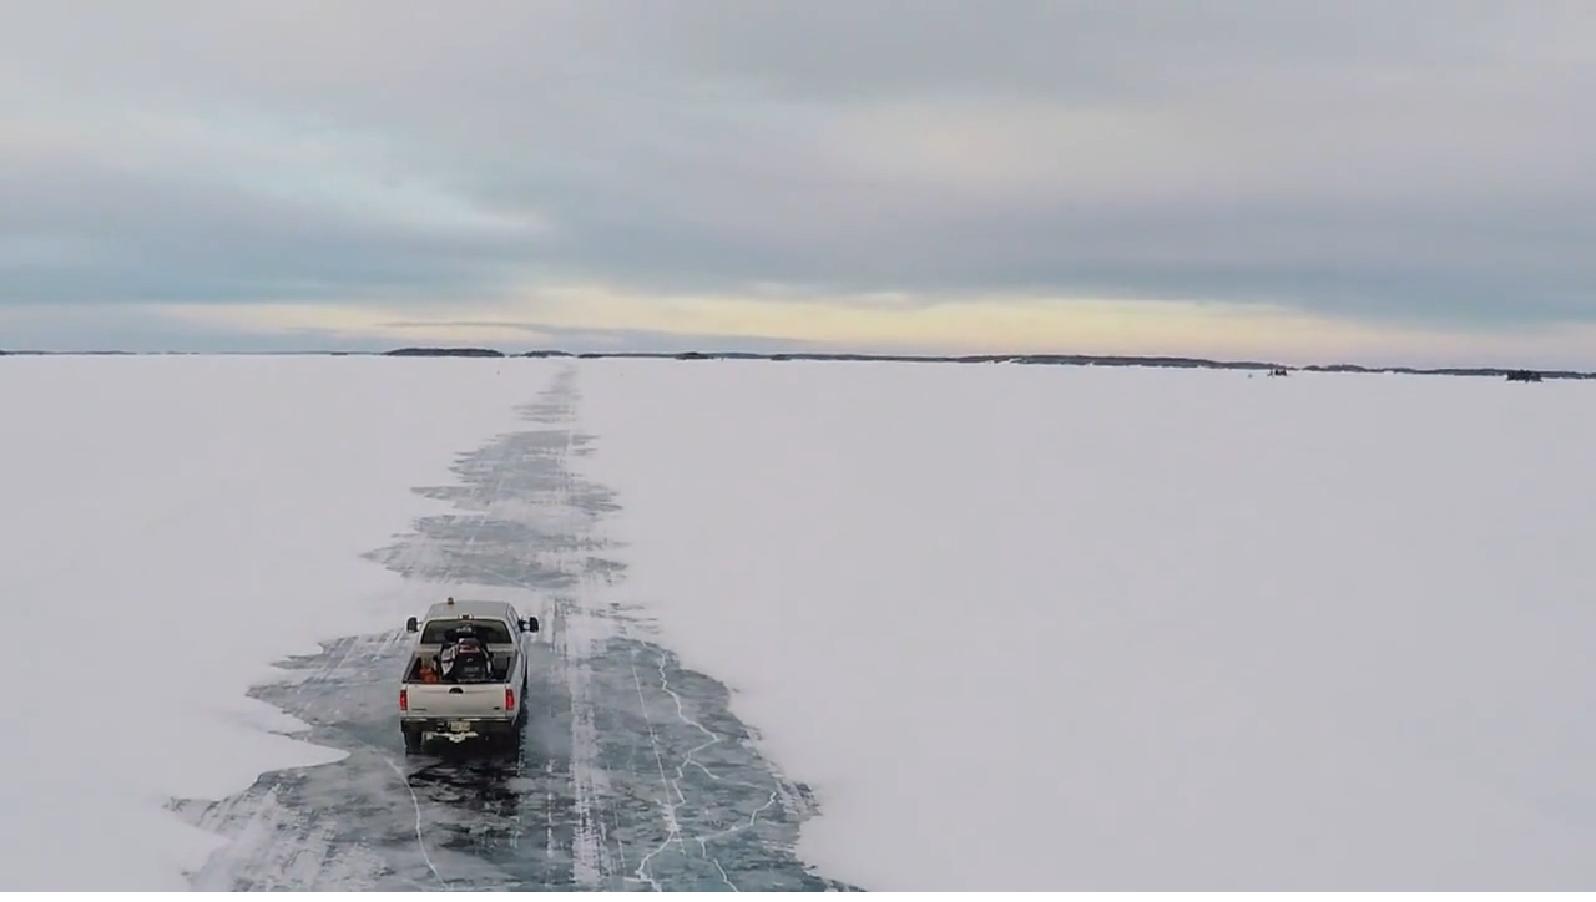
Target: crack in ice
673,830
690,760
420,842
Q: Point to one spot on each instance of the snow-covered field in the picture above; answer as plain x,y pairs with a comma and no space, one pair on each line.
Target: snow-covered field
1035,627
171,526
1018,627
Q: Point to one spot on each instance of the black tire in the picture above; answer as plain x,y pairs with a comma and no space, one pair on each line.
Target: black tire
508,743
412,740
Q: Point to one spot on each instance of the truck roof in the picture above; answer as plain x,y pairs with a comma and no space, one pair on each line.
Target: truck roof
463,608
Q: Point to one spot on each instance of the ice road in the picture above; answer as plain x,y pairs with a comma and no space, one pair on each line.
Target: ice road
633,773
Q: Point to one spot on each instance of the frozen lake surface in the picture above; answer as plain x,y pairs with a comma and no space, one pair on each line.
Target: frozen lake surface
895,626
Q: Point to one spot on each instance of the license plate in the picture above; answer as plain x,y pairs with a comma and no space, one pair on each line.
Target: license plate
459,726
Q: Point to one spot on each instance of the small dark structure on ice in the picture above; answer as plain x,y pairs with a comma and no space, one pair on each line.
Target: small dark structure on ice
1523,376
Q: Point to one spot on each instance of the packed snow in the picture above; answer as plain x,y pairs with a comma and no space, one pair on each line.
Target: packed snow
1044,628
173,525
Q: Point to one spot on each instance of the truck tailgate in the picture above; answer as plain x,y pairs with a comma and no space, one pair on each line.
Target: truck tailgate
456,701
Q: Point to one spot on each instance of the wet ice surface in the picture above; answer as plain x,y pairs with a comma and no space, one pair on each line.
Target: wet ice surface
632,773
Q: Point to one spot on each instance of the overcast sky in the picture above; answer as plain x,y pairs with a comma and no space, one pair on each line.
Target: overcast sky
1382,181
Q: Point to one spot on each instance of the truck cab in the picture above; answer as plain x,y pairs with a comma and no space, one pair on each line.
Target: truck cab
466,674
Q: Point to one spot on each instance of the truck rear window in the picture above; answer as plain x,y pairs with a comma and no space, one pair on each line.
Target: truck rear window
492,632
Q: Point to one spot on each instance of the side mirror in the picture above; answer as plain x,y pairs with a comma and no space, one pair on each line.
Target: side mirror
529,625
411,626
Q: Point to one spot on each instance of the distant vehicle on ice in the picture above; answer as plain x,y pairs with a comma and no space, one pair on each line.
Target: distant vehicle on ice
1523,376
466,676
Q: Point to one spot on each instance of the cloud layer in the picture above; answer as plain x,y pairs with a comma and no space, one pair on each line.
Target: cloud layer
1414,167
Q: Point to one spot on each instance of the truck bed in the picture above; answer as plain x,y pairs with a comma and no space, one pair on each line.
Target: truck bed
503,664
456,701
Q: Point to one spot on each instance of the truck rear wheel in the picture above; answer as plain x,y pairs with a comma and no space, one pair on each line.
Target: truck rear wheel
507,743
412,740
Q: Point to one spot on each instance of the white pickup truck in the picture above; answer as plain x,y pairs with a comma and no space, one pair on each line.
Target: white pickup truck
466,674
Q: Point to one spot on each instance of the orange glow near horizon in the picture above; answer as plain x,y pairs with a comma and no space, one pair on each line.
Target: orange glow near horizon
894,324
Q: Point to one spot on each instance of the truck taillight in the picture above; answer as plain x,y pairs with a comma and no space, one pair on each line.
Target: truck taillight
404,699
509,699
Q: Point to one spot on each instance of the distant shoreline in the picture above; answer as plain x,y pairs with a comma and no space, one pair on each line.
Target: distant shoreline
1024,359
